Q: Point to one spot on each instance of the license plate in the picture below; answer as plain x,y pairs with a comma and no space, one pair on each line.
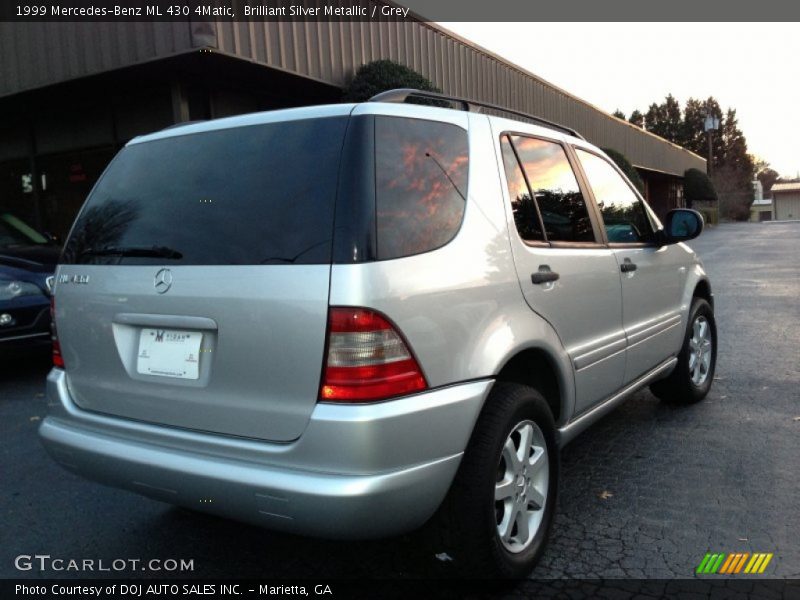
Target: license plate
169,353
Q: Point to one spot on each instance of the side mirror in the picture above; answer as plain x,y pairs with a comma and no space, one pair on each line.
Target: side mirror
682,224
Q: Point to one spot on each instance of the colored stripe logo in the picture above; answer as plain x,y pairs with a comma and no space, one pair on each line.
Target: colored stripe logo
734,563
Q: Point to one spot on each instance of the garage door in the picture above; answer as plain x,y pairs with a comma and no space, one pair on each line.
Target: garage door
787,206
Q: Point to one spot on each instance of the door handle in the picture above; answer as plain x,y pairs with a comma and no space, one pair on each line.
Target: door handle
544,275
627,266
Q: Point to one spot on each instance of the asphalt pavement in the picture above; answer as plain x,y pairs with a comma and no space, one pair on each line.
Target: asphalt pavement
646,492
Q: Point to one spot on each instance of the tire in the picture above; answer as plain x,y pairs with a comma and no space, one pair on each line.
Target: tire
466,529
692,377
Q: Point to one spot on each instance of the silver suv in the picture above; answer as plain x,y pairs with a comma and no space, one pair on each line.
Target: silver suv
349,321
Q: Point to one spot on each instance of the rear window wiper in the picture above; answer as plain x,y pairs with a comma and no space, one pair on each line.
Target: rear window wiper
144,251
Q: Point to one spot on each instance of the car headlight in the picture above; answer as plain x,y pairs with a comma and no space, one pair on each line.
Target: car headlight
15,289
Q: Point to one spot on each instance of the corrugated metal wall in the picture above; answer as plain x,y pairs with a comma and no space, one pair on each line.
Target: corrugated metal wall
787,205
33,55
37,54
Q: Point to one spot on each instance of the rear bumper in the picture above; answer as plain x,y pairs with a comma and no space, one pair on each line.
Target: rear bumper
356,472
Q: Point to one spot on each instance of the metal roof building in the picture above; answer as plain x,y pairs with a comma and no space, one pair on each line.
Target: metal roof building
72,93
786,201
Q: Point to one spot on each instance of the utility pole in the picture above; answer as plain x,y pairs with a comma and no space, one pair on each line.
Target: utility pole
711,124
710,136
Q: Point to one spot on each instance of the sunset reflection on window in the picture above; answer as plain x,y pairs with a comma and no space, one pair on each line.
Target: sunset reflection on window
623,213
546,165
525,215
555,190
421,170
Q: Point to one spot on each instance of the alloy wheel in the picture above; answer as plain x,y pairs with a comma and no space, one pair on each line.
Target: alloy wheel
701,346
521,486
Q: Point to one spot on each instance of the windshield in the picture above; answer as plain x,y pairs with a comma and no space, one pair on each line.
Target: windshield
14,232
261,194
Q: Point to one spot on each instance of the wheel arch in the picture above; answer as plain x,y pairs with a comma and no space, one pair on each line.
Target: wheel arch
703,290
537,368
696,285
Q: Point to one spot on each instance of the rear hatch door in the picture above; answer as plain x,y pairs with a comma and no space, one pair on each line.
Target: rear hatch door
193,289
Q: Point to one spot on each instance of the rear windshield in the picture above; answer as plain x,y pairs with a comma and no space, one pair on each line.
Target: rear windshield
244,196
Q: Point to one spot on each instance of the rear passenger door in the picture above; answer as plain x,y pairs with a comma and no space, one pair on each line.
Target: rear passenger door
567,275
651,275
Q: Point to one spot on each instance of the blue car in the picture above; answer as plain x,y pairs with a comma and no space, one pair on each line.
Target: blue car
27,262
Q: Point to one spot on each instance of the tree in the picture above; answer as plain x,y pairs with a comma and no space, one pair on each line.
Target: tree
381,75
759,164
697,187
735,152
734,172
637,119
734,200
626,167
767,177
731,166
764,173
665,120
694,136
619,114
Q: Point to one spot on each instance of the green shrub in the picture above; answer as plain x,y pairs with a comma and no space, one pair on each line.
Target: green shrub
381,75
697,187
710,215
625,165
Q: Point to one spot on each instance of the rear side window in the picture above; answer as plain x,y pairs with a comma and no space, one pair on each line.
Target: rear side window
624,216
526,216
555,189
253,195
421,170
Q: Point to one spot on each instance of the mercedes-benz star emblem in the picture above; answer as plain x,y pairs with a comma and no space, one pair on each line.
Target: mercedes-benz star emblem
163,280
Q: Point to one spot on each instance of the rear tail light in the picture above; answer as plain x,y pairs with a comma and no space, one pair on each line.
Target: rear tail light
367,359
58,360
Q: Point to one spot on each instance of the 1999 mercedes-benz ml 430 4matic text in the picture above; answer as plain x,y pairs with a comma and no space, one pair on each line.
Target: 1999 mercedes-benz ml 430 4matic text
349,321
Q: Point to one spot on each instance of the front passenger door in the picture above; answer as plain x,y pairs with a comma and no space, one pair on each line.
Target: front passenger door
651,275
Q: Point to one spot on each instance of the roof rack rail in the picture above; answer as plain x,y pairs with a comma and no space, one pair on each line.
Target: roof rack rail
400,95
182,123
